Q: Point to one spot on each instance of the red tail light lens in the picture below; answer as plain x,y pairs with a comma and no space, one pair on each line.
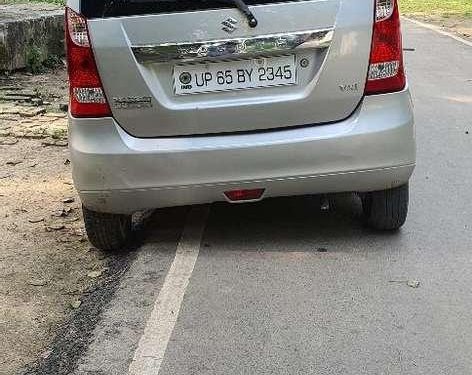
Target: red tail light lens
87,98
386,70
244,195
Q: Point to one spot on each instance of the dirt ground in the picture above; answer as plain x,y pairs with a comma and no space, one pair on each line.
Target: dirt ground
46,263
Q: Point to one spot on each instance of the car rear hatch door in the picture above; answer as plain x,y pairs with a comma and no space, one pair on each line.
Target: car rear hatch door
165,73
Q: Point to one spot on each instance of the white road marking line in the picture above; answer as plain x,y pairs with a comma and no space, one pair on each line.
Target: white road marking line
439,30
152,346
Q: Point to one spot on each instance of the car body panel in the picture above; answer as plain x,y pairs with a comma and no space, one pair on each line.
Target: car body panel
373,149
328,89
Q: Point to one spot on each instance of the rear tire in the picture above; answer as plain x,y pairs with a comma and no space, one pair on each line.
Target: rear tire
108,232
386,210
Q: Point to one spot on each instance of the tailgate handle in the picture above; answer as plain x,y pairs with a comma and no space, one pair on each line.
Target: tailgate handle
230,48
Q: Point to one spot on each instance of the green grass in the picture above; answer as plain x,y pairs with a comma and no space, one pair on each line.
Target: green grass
439,8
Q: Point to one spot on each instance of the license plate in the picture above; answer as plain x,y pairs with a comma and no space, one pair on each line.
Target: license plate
234,75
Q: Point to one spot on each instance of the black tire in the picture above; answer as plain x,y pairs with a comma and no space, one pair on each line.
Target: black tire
108,232
386,210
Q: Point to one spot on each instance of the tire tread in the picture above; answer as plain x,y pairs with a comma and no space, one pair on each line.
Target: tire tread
108,232
387,209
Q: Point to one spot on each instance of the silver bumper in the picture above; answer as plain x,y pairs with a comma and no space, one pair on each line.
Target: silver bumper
374,149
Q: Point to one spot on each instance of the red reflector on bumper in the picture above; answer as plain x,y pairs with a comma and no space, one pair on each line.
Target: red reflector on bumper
244,195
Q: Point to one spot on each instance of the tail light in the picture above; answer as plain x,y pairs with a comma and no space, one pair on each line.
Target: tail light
386,70
87,98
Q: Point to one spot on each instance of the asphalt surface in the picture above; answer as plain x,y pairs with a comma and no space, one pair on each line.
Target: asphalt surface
281,287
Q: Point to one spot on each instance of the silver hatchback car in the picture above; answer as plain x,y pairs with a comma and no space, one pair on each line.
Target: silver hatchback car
180,102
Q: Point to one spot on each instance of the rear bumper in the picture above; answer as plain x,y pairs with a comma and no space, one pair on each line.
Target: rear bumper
374,149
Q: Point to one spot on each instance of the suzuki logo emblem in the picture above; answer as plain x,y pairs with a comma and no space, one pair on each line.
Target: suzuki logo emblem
229,25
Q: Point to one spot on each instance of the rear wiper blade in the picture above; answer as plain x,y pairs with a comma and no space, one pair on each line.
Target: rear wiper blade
240,4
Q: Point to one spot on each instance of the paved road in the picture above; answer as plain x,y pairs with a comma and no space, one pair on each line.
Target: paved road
261,298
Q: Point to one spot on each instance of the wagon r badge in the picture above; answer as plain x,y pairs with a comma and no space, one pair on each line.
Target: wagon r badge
132,102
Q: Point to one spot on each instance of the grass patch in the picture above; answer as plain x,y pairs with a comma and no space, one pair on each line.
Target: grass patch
461,9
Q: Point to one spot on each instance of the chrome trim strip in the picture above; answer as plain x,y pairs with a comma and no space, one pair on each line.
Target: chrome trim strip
228,48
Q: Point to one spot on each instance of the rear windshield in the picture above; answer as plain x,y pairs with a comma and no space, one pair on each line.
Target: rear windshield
117,8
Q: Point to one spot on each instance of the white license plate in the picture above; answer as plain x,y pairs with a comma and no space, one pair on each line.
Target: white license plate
234,75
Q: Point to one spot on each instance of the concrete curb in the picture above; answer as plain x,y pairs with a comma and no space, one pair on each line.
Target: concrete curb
29,33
